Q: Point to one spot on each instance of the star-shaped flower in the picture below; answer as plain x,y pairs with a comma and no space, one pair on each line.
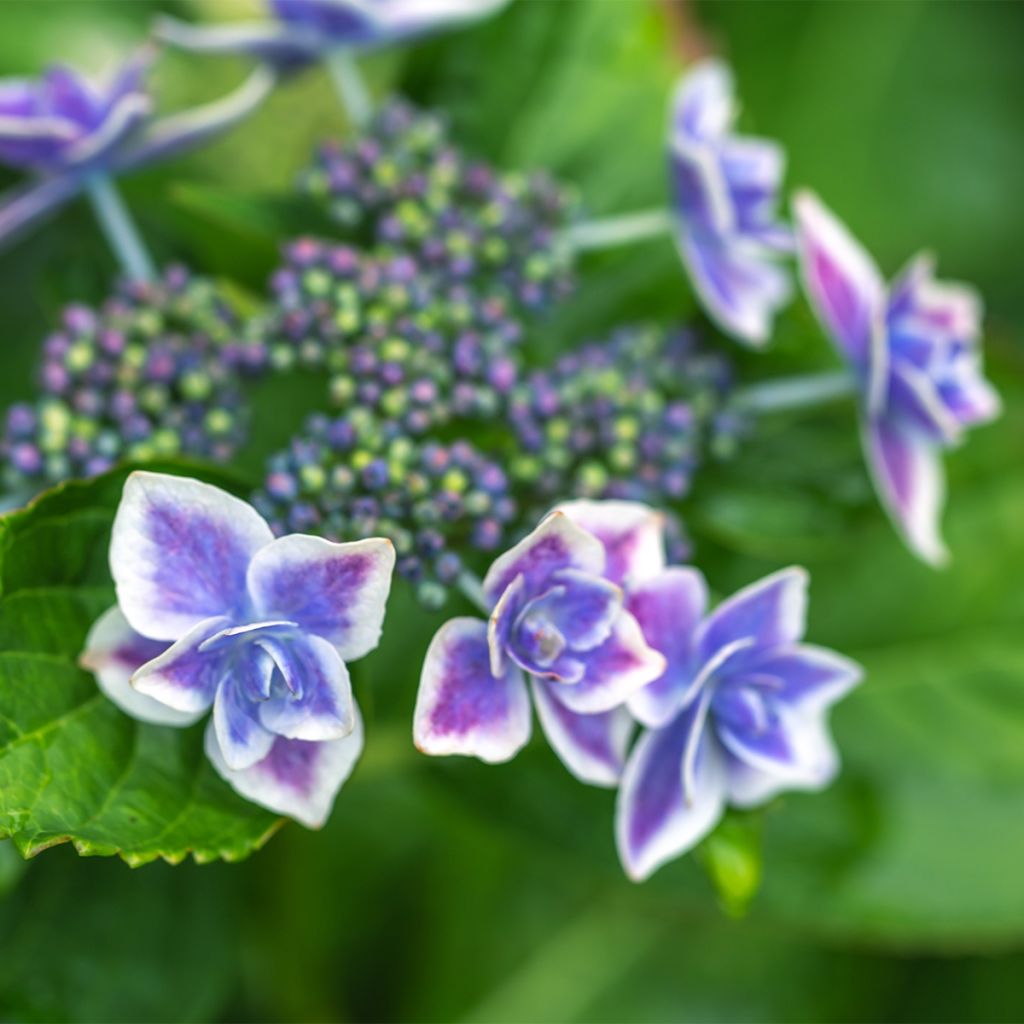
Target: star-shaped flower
915,349
214,611
559,617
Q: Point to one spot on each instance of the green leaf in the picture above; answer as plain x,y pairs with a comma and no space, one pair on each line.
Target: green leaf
73,768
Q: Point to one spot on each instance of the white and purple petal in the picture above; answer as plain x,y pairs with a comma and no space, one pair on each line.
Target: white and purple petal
807,676
184,676
179,553
656,818
297,778
908,476
337,591
593,747
557,543
314,701
242,738
703,106
113,652
633,536
669,608
461,708
613,672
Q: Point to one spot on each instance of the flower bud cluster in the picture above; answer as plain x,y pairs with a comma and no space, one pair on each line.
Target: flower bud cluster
404,184
154,372
359,476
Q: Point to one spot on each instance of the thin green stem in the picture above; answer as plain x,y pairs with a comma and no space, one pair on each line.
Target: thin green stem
120,230
794,392
350,85
610,232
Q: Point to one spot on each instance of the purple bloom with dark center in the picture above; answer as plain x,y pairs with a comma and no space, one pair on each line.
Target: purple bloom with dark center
308,29
558,618
739,715
915,350
725,193
213,611
63,120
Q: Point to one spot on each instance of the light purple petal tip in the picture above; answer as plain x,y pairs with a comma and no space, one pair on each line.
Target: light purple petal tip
179,553
592,747
633,536
297,778
461,707
703,106
113,652
337,591
908,476
242,738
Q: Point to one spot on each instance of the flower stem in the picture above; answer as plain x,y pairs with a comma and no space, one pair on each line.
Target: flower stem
794,392
609,232
350,86
473,589
117,224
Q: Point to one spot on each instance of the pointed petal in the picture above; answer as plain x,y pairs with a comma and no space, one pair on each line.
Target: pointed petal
916,400
908,476
703,106
614,671
950,307
461,708
807,676
179,553
22,207
113,651
557,543
317,704
740,286
184,677
265,40
297,778
592,747
502,621
236,720
337,591
633,536
772,612
669,608
581,607
655,821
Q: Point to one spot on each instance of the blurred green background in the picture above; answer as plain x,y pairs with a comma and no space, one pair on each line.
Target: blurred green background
452,891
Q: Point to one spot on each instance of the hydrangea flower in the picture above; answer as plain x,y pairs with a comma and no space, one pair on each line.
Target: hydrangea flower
393,338
154,372
354,476
739,715
559,618
306,30
915,351
725,193
406,184
214,611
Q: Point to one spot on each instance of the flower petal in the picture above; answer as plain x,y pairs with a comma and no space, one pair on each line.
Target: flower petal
739,284
461,708
703,106
337,591
581,607
297,778
316,703
592,747
907,472
179,553
558,543
632,534
183,677
669,608
771,612
954,309
502,622
113,651
655,820
276,44
614,671
243,740
807,676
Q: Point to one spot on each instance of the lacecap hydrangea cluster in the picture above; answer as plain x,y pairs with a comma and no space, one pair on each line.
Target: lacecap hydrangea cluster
403,184
357,476
154,372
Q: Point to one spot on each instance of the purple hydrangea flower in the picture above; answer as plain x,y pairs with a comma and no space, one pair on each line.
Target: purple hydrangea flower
739,714
559,617
725,193
213,611
64,121
915,350
308,29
